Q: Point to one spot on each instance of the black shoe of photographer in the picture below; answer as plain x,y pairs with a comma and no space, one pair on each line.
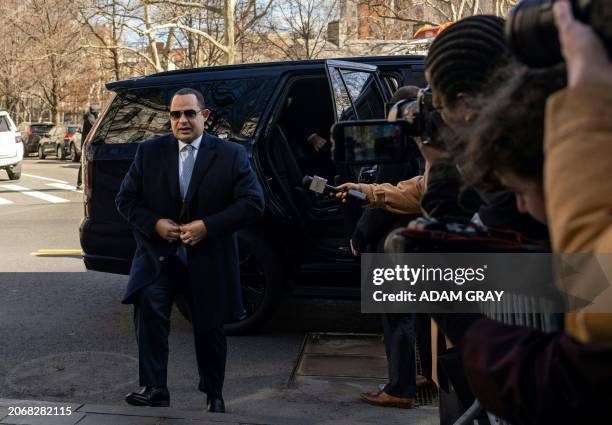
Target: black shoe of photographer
215,404
149,396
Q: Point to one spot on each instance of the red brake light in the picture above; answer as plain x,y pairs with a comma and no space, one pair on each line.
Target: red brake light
30,132
68,136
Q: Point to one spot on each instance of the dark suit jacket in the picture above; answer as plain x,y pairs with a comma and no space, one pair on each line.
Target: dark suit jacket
223,191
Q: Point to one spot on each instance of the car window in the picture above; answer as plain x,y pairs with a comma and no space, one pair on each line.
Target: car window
139,114
73,129
365,94
392,83
4,125
344,108
41,129
236,106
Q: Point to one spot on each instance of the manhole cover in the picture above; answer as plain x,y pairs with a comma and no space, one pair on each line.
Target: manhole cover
73,374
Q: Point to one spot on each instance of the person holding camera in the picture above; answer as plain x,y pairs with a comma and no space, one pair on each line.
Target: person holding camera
400,330
579,126
520,374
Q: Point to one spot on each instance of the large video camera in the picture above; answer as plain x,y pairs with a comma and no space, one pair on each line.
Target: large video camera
533,36
392,140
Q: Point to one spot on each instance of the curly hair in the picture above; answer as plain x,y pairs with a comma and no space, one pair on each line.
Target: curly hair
508,133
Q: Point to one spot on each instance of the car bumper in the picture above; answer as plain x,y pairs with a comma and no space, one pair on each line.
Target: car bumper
13,159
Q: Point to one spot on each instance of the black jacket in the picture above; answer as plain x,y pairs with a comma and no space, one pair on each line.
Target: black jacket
224,192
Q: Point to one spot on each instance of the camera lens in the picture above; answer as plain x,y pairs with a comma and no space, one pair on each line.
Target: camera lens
532,35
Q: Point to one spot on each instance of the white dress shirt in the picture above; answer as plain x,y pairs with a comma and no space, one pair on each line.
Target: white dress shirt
182,154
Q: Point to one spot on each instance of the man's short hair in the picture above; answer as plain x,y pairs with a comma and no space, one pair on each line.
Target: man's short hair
187,91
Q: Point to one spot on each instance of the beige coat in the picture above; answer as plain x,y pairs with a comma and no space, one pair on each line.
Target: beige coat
403,198
578,188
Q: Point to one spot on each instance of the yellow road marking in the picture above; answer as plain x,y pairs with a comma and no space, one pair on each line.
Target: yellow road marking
56,252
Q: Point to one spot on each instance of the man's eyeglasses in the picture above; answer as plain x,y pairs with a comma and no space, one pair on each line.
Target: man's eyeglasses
189,114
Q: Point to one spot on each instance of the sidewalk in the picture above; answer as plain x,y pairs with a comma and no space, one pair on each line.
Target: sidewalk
92,414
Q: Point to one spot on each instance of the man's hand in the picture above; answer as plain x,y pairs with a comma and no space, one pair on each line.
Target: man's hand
167,229
317,142
585,55
344,188
194,232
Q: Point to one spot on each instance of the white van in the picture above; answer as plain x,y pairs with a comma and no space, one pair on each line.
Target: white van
11,147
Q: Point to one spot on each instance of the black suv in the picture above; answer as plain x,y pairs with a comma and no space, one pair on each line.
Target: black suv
271,109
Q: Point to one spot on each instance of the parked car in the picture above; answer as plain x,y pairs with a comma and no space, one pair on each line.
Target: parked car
270,109
11,147
31,134
72,142
52,143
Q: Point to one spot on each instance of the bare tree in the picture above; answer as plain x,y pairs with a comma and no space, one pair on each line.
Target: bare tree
15,76
52,51
398,18
297,28
206,30
105,24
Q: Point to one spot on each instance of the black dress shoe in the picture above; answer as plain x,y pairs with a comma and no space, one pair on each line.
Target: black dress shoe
149,396
215,404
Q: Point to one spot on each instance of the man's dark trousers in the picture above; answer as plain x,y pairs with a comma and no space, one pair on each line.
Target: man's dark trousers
152,308
401,361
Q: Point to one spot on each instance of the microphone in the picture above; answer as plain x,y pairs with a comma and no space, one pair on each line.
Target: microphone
319,185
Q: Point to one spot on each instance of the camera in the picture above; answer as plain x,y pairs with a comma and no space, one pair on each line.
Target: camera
424,119
392,140
533,36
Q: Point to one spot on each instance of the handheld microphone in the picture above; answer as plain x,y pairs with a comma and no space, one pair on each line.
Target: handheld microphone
319,185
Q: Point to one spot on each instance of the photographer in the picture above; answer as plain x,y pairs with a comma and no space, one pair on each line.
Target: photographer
579,126
400,330
520,374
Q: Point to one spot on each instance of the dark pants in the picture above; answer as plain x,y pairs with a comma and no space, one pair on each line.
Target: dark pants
80,176
422,326
401,360
152,307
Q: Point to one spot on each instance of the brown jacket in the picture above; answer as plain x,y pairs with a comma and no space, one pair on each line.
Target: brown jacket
578,188
405,198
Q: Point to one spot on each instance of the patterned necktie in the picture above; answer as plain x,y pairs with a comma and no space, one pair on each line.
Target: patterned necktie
187,159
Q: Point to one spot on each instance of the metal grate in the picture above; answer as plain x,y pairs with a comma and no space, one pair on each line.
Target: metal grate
350,358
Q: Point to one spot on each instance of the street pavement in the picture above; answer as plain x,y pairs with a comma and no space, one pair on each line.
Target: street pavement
66,338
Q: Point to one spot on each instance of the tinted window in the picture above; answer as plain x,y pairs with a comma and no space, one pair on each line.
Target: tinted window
73,130
4,125
41,129
140,114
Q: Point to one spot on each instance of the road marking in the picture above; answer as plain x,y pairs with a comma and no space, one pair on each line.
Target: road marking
5,201
44,178
63,187
35,194
56,252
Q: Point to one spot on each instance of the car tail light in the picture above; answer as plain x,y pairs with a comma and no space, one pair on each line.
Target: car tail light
30,132
68,136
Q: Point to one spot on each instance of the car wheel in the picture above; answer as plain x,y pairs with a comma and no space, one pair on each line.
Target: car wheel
41,152
60,153
74,155
15,173
260,280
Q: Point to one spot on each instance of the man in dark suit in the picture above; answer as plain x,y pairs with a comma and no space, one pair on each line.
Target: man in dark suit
186,194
